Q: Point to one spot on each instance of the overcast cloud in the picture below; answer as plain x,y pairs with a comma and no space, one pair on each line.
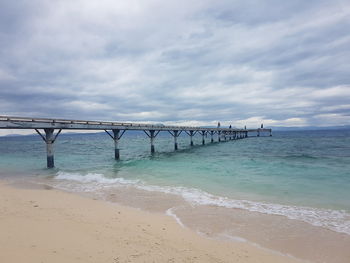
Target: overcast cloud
284,63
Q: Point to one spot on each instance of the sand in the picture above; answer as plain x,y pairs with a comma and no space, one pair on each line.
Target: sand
47,225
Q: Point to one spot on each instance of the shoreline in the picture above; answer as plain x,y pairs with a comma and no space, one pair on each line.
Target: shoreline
272,233
48,225
279,233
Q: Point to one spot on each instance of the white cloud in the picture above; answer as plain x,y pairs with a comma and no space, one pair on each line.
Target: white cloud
336,119
86,106
338,91
254,122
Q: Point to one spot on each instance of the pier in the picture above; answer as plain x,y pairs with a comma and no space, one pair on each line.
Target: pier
49,130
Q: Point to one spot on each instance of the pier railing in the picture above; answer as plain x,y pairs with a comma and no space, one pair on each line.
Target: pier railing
118,129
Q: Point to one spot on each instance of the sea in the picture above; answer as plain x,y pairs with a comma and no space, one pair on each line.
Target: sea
258,189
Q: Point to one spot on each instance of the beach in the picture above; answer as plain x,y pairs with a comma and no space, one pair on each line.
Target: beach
41,224
280,195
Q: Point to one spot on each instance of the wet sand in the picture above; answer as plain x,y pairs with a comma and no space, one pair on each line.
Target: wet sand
275,233
46,225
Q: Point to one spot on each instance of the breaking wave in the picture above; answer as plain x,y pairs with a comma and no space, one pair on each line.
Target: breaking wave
336,220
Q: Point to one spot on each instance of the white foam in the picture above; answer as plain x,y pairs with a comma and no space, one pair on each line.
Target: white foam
336,220
93,178
233,238
171,213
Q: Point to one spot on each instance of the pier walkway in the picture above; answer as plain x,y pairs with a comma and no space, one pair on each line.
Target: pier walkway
53,127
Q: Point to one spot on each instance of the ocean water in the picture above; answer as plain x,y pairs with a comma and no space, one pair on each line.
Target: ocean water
301,175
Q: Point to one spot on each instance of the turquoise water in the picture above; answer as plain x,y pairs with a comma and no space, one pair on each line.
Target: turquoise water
289,170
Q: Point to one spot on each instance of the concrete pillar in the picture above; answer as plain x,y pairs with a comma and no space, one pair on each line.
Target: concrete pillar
49,147
152,140
175,139
219,136
116,140
203,140
191,137
258,133
270,132
212,136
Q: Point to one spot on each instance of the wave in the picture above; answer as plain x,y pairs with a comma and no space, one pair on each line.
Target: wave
336,220
171,213
94,178
302,156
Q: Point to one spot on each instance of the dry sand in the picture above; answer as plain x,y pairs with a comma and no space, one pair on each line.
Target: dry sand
41,225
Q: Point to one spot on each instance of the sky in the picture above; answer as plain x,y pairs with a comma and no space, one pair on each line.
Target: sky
281,63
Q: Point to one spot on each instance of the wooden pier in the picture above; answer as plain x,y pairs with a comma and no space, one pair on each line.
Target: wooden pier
53,127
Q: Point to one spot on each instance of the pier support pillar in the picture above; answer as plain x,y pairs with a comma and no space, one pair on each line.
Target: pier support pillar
49,147
191,134
175,134
49,139
152,134
116,137
116,140
203,140
175,140
270,133
258,133
152,140
219,136
211,136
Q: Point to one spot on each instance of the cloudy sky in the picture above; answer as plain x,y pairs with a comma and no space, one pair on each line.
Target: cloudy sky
241,62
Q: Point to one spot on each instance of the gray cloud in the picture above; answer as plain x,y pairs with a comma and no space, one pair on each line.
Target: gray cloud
177,62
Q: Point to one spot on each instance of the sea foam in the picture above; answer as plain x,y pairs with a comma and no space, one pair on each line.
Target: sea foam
336,220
